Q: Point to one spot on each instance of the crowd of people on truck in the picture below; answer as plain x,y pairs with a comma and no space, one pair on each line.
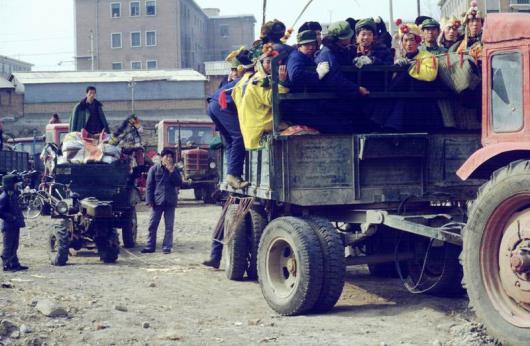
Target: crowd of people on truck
242,106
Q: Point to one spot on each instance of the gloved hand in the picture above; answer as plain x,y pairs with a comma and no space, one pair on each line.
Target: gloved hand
402,62
322,69
359,62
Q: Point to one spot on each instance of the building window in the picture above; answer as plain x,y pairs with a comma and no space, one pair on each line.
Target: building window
115,10
150,8
224,30
150,38
152,64
117,66
136,39
115,39
134,9
136,65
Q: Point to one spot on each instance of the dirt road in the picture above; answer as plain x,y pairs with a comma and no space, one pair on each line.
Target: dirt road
159,299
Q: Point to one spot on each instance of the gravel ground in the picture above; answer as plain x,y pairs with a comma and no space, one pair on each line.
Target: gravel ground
159,299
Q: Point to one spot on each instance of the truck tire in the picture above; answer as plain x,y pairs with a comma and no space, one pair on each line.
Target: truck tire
59,241
256,222
334,264
129,231
109,246
197,193
235,245
290,266
384,243
207,194
495,236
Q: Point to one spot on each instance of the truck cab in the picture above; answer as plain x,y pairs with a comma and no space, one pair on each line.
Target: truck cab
190,139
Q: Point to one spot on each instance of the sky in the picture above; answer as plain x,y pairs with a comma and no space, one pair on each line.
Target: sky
41,32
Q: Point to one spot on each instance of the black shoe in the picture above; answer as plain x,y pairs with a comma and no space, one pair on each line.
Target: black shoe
166,251
20,267
147,250
10,269
212,263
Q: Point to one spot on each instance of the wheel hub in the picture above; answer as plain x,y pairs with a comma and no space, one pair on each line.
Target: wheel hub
514,260
291,266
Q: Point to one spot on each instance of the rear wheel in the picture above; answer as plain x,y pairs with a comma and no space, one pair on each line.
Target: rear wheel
290,266
108,246
197,193
129,231
207,194
496,254
256,222
333,261
59,243
235,245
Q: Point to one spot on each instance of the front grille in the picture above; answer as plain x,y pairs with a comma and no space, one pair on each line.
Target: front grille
196,162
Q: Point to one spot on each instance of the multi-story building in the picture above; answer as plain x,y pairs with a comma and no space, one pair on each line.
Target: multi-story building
459,7
10,65
154,34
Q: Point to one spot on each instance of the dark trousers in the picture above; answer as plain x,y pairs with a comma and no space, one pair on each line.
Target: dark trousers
154,221
9,253
228,125
216,252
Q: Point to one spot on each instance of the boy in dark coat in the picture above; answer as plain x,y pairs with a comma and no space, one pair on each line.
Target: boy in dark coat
13,221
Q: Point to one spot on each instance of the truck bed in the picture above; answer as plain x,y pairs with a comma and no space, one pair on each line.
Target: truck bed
361,169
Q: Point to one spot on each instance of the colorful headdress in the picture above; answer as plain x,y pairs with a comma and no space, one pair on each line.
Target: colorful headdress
451,22
240,59
408,28
473,13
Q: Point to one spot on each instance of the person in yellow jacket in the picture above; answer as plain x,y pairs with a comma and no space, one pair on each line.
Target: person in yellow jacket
253,98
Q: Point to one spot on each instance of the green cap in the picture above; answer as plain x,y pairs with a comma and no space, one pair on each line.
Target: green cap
342,30
306,36
429,23
367,24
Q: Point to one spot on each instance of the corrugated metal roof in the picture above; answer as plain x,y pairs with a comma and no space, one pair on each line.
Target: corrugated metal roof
240,16
216,68
107,76
5,84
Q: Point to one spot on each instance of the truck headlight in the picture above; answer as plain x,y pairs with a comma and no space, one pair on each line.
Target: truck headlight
62,208
180,165
213,165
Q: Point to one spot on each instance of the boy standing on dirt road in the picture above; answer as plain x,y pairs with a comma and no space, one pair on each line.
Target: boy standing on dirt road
163,180
13,221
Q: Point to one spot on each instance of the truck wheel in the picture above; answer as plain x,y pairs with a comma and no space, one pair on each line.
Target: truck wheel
207,192
197,193
256,222
129,231
437,272
290,266
384,243
109,246
59,241
334,263
235,245
496,257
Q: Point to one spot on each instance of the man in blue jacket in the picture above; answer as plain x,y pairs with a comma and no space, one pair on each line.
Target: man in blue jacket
13,221
163,180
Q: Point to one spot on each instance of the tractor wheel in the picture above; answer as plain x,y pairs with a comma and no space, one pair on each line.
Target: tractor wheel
256,222
59,241
235,245
290,266
332,248
207,194
108,246
496,254
129,231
